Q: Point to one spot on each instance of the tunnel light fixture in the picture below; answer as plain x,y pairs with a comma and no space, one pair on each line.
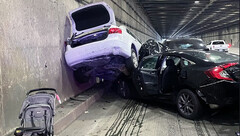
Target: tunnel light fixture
222,8
196,2
228,5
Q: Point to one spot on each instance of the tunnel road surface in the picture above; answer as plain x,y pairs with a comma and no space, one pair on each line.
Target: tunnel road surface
114,116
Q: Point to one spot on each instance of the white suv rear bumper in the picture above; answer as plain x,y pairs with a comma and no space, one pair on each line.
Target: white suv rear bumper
89,51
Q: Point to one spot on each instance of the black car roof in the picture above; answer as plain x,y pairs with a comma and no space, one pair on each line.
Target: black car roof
184,39
187,54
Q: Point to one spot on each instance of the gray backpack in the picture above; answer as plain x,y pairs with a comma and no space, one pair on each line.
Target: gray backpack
37,113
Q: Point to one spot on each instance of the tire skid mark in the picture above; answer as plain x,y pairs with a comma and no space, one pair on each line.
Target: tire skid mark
204,125
121,117
136,120
118,117
214,128
133,110
130,123
198,128
141,122
129,118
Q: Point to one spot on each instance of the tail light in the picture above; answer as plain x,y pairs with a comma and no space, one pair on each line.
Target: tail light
229,45
219,72
114,30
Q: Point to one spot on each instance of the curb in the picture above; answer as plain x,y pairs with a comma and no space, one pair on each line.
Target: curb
66,120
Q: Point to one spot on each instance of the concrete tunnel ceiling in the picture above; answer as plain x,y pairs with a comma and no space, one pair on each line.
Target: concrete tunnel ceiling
189,18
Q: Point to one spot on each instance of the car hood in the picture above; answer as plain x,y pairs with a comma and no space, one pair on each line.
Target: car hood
91,17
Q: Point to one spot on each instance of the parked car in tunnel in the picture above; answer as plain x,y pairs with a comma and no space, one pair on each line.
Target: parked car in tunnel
99,48
218,45
184,44
188,78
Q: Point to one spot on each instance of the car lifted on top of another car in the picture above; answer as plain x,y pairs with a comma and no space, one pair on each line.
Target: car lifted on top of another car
99,48
188,78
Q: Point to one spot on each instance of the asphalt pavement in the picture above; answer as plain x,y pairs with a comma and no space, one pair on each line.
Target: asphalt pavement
114,116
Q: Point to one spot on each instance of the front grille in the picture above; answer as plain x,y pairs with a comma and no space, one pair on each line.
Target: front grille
93,37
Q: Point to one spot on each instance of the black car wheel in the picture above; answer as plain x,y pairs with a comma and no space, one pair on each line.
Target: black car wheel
188,104
123,89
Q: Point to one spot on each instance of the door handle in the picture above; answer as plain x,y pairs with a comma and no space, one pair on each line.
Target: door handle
152,72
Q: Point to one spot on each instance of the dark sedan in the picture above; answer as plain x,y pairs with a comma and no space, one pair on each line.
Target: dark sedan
189,78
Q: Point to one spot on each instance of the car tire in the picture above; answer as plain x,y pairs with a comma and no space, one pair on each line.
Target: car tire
79,77
132,62
188,104
123,89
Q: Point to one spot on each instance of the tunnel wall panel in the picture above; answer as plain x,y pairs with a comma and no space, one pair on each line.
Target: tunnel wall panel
32,49
229,34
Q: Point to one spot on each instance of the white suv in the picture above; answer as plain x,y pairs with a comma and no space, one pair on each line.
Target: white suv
99,48
218,45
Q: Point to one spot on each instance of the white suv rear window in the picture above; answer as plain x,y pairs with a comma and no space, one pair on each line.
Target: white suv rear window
91,17
218,43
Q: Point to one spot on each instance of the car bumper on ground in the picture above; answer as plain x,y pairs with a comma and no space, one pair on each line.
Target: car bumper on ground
91,51
220,92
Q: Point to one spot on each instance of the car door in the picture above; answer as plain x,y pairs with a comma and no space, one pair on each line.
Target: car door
148,75
164,78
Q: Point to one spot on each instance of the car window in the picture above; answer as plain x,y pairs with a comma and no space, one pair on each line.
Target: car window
86,18
150,63
174,58
185,44
220,42
186,62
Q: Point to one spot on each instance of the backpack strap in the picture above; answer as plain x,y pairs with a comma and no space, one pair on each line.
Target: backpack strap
45,120
33,125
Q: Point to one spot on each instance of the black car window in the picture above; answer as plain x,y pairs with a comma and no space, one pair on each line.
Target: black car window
214,56
185,44
174,58
150,63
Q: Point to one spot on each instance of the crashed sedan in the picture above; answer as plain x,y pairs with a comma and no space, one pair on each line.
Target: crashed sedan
189,78
99,48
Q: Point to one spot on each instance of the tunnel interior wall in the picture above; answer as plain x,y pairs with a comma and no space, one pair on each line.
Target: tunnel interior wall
229,34
32,40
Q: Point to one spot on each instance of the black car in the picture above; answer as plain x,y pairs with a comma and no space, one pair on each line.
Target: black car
188,78
150,47
184,43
